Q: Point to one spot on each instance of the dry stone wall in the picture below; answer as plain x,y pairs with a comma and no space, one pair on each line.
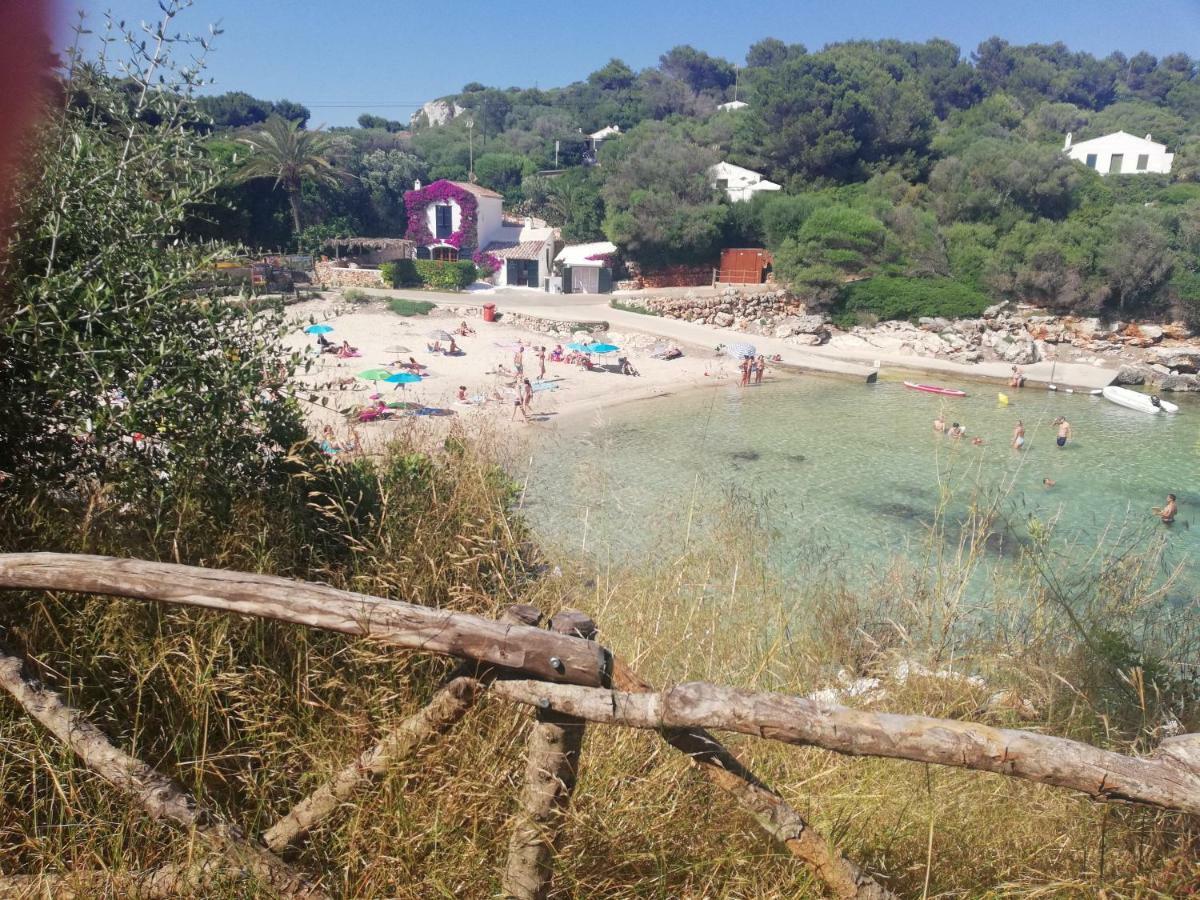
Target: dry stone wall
332,276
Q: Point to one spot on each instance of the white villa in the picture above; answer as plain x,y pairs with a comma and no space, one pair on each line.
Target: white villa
525,247
1121,153
733,105
738,183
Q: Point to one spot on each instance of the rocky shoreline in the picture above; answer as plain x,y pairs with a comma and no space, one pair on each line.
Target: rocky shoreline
1165,356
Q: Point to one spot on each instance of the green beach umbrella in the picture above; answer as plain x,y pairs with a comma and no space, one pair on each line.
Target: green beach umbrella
374,375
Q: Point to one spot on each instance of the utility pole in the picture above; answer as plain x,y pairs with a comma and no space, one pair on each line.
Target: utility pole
471,142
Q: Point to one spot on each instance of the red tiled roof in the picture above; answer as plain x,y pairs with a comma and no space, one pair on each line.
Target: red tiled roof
477,190
515,250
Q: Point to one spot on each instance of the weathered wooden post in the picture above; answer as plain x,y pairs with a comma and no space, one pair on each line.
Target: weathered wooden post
550,774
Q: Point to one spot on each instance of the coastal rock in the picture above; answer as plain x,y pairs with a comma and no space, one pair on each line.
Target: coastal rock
1181,359
1143,335
1180,383
1177,331
723,320
1130,375
807,340
1021,352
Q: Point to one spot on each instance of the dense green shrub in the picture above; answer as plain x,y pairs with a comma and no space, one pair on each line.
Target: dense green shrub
400,273
442,276
909,298
402,306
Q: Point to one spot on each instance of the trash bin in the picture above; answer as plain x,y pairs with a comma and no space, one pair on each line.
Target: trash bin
489,312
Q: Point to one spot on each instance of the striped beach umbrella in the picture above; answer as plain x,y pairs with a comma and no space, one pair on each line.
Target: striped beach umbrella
741,351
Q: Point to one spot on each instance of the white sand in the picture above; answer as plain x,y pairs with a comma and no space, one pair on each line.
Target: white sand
373,329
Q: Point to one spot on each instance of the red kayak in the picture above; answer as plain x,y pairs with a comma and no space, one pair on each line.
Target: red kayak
934,389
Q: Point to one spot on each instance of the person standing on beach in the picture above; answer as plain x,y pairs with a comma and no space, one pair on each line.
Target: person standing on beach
541,358
1018,440
746,364
519,359
760,367
1064,431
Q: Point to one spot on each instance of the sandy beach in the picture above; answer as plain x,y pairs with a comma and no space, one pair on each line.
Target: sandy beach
330,389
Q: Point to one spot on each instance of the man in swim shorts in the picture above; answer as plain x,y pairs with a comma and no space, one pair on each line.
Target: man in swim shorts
1064,431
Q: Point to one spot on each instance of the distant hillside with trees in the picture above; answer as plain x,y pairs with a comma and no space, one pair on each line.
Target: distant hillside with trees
906,160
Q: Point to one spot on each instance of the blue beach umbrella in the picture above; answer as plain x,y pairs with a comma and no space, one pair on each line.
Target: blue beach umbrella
741,351
579,348
402,378
603,348
318,329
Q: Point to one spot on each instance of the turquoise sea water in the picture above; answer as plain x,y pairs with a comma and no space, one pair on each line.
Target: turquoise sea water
853,473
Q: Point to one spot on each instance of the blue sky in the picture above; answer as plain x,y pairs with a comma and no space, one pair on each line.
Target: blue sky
341,59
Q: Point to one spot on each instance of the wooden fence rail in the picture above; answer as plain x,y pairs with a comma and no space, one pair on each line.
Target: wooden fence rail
569,680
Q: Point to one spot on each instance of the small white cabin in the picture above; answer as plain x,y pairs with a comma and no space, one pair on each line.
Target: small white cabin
738,183
1121,153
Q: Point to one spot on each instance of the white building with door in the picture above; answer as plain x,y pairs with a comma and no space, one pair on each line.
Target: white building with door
738,183
1121,153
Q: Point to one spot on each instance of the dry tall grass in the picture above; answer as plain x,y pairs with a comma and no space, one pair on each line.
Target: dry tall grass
252,715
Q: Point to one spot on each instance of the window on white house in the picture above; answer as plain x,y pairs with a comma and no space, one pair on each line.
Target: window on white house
1143,162
445,254
1091,160
1114,164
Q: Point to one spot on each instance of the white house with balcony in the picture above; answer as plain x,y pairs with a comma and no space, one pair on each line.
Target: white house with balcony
1121,153
738,183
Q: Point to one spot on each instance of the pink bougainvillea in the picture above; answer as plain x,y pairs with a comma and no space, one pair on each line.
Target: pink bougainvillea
489,263
417,202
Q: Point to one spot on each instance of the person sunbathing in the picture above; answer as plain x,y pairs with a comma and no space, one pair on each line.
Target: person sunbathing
464,329
453,348
413,366
346,351
627,367
324,345
556,355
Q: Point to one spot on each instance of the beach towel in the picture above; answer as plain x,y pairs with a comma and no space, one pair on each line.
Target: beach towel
544,386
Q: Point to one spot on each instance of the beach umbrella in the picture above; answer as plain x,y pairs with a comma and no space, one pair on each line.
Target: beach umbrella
402,378
438,335
603,348
374,375
318,329
578,347
396,348
741,351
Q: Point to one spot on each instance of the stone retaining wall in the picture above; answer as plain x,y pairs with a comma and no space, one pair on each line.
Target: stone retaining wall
557,328
329,275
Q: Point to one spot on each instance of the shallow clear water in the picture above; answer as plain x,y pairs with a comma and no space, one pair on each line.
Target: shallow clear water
855,471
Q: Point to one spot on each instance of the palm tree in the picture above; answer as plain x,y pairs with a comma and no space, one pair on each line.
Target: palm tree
291,155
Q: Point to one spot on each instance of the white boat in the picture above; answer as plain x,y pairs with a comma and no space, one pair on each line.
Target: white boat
1141,402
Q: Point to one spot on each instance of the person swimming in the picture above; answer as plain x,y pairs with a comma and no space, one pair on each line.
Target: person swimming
939,424
1048,483
1018,439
